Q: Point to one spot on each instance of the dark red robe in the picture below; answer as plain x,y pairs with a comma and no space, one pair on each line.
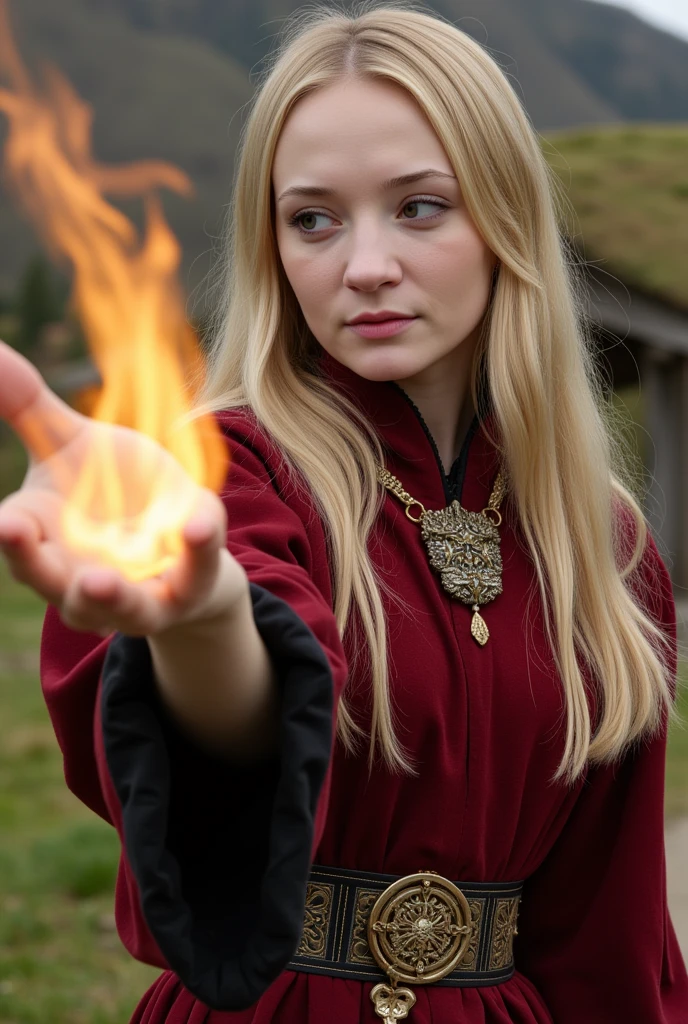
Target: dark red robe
215,854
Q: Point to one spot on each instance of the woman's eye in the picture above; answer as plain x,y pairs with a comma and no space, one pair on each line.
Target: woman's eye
307,215
414,203
305,222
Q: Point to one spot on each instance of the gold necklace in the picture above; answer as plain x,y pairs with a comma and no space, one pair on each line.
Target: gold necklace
462,546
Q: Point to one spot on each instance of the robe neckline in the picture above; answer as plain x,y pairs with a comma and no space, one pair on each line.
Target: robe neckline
411,450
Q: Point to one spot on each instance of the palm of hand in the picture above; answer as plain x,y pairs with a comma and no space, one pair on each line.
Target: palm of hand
107,524
111,496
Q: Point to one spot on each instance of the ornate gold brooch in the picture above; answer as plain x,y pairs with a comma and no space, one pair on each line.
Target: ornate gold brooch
418,931
462,546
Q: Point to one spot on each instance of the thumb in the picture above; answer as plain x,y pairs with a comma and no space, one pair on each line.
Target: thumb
42,421
195,574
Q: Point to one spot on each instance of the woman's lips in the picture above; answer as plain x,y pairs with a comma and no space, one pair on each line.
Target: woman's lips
384,328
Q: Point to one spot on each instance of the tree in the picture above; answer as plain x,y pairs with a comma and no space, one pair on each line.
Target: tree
38,302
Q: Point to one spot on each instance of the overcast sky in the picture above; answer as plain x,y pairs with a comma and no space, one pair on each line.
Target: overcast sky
671,15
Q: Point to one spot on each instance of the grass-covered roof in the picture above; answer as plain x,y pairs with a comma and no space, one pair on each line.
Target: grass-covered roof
628,186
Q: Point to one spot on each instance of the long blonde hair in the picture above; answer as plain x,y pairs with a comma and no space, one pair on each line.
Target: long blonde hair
536,349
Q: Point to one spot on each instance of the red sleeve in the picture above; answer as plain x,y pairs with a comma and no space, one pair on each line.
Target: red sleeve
595,935
215,853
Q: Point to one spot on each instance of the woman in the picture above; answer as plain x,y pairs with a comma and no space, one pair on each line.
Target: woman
351,740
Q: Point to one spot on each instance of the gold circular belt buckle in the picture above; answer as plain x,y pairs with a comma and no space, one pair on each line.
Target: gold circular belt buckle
419,928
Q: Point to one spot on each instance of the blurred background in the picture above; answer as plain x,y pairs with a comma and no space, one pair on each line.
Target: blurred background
164,84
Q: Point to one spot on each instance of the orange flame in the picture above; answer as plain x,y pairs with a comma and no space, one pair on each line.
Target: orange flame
129,302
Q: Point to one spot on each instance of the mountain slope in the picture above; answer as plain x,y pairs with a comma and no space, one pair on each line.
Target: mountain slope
169,79
579,62
554,95
638,69
154,96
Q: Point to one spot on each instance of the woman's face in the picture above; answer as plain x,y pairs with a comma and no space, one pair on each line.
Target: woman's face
365,247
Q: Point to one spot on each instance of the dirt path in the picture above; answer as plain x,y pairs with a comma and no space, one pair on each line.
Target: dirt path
677,878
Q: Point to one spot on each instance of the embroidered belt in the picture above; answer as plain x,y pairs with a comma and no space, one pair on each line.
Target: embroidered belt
417,929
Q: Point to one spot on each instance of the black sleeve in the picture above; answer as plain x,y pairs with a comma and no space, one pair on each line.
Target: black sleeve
221,849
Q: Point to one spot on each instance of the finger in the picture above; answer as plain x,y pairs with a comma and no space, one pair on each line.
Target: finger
192,578
15,527
31,561
100,599
42,421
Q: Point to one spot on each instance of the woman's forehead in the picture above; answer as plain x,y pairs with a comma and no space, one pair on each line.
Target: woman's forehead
358,124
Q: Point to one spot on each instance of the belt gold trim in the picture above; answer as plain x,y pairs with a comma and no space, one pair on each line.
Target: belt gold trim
417,929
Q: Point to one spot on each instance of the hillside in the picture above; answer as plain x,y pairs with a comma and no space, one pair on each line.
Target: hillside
169,79
578,62
639,70
153,96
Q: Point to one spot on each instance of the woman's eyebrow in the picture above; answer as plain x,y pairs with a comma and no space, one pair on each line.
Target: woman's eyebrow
403,179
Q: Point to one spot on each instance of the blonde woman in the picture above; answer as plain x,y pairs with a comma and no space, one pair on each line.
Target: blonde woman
408,685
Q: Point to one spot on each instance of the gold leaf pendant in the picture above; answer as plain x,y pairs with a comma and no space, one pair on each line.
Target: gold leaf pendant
479,628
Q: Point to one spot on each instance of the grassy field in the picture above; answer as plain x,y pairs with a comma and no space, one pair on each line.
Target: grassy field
61,961
676,794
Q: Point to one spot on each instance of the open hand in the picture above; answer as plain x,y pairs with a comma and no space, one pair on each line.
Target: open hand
91,590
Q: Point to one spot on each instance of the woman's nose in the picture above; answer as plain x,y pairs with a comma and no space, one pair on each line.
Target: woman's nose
372,260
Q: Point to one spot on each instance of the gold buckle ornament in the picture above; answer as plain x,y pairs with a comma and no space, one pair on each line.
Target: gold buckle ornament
418,931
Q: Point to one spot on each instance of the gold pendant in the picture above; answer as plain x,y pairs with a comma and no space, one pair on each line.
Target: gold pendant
479,628
392,1003
464,548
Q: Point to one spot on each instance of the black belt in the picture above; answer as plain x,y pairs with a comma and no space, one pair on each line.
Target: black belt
415,929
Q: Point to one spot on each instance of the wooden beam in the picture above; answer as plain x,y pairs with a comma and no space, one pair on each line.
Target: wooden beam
663,415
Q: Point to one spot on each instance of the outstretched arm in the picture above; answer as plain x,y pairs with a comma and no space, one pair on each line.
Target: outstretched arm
211,666
216,849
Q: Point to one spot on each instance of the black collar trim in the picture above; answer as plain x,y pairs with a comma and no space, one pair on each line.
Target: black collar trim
452,482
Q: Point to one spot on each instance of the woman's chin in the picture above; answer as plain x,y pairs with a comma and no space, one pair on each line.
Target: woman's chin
381,365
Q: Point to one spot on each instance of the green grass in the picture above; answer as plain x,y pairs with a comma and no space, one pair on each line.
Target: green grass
629,190
61,961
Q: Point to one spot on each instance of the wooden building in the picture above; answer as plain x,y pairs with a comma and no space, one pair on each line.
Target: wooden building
645,345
